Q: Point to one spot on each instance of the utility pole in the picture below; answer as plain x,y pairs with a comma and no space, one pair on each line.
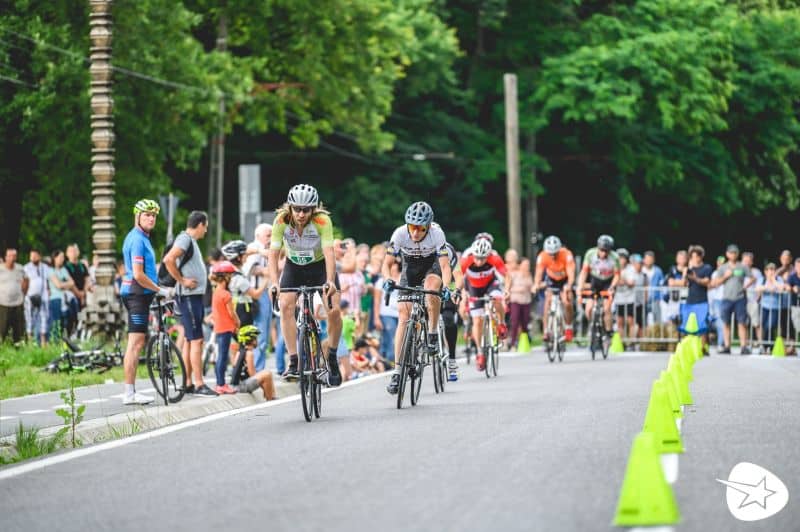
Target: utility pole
216,179
512,164
532,208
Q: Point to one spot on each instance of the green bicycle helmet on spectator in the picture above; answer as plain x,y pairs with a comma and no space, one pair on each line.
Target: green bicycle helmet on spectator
247,333
146,205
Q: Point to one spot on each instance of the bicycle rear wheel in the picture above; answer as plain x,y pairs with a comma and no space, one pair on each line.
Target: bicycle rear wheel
416,381
165,368
551,345
305,370
209,356
321,369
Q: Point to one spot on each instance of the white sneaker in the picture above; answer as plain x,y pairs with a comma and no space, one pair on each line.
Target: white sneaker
452,370
137,399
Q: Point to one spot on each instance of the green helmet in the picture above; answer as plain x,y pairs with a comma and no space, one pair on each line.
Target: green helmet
146,205
247,333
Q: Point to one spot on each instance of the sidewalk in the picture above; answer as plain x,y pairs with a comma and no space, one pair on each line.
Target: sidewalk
105,412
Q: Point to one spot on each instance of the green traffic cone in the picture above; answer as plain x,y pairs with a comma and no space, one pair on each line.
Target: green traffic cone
524,343
778,350
691,324
680,359
672,392
680,384
687,348
616,344
660,421
645,499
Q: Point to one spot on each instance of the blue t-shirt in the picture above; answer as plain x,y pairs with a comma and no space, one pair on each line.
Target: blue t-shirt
137,249
699,293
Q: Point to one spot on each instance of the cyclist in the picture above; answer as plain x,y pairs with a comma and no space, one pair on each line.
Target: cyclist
420,246
480,236
601,266
450,315
558,265
484,271
139,287
304,229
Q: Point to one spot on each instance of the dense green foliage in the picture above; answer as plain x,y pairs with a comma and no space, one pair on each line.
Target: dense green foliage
651,119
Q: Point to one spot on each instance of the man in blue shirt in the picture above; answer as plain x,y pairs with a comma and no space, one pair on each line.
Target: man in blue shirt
139,286
655,282
698,280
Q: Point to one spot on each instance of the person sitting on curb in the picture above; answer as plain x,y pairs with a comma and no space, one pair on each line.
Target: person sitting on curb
245,365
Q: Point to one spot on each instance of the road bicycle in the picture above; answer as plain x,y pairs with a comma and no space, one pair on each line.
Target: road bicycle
414,355
555,345
490,341
312,365
75,360
599,339
163,358
470,349
439,360
210,353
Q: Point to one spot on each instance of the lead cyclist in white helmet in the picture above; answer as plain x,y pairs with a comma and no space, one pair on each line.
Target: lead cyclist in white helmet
304,230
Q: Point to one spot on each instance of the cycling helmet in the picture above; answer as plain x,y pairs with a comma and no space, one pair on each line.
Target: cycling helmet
247,334
605,243
303,196
146,205
234,249
223,266
552,244
486,236
419,213
622,252
481,248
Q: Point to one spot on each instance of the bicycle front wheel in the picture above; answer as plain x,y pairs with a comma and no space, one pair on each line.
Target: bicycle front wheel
165,368
305,370
416,382
407,353
487,346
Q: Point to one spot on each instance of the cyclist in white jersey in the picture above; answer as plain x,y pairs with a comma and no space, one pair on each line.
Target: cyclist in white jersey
420,246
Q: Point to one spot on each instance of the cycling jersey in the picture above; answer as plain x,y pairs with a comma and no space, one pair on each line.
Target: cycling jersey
137,249
481,276
555,266
433,245
304,248
598,268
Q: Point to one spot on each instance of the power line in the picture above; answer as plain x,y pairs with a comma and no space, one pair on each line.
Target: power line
18,82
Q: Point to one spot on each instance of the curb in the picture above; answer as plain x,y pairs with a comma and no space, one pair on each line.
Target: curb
143,419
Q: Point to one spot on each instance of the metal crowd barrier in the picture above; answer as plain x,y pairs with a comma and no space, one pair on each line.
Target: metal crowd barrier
651,324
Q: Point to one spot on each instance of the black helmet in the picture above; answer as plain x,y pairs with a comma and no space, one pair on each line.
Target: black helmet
605,242
234,249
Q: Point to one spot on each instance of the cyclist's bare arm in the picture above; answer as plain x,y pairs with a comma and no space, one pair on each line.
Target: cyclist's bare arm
386,269
143,280
447,274
272,266
330,268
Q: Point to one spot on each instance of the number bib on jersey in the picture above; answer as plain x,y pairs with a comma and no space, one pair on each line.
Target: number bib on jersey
300,256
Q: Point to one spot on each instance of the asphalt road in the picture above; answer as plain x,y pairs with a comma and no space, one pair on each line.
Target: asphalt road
542,447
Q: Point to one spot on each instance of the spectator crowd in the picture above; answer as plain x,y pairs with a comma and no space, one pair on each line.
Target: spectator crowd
42,300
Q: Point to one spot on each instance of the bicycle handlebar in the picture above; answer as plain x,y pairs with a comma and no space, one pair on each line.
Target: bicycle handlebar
299,290
411,289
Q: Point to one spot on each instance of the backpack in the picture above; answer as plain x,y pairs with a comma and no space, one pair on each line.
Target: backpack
164,277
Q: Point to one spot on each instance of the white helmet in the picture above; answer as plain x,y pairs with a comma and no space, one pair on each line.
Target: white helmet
552,244
303,196
419,213
481,248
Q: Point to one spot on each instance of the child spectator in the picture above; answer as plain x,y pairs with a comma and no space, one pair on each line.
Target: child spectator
225,319
245,366
346,341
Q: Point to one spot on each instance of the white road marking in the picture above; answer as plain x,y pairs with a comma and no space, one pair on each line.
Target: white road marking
669,463
92,401
31,412
6,418
10,472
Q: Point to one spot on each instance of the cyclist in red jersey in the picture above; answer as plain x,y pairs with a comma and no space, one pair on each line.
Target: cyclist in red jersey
558,266
484,271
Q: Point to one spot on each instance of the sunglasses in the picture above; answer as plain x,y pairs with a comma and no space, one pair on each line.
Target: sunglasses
304,210
415,227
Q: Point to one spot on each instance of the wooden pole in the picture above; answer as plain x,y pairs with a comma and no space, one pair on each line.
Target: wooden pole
512,164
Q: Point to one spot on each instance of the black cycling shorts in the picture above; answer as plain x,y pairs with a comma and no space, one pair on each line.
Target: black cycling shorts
313,274
138,306
600,285
415,271
552,283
